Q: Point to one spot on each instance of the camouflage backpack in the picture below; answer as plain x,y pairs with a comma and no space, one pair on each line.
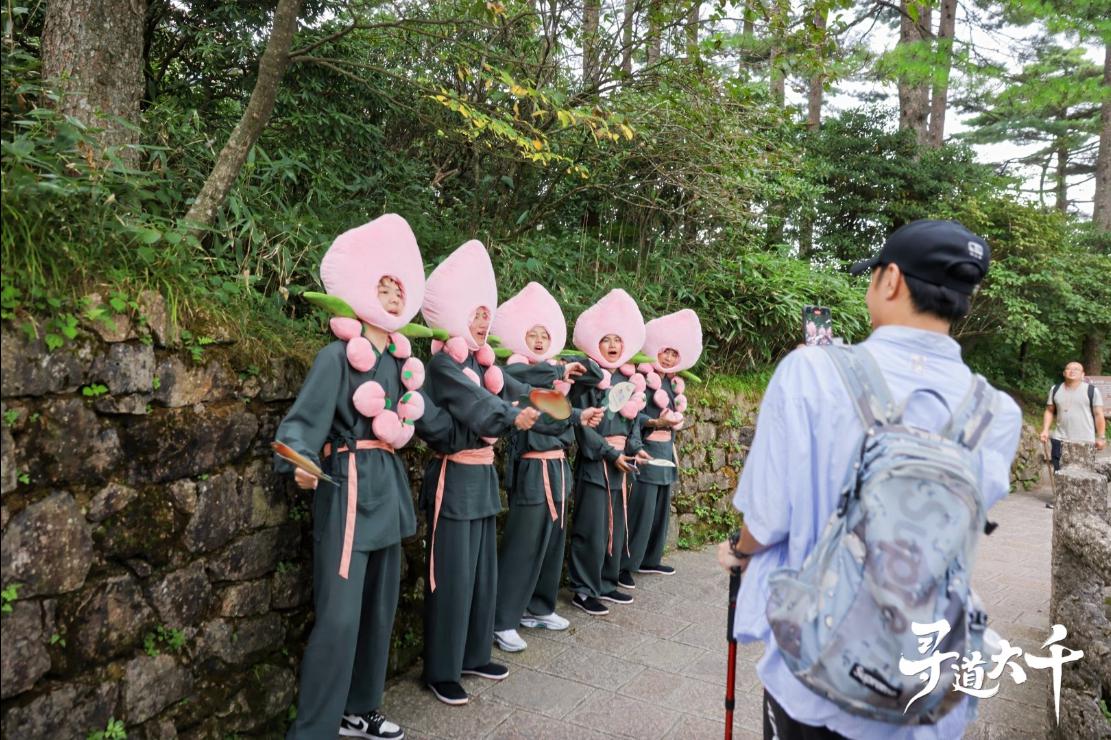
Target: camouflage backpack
898,550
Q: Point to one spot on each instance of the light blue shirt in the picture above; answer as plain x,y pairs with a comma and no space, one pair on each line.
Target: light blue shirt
807,436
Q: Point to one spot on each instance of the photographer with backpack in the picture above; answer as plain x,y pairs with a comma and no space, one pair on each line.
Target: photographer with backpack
863,496
1077,406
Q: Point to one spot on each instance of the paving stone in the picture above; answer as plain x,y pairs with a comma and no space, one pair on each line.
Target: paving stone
522,725
538,692
595,668
540,650
411,705
623,716
683,694
602,636
650,623
666,656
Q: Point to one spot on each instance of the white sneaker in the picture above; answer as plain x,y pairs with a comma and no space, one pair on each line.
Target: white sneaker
551,621
510,641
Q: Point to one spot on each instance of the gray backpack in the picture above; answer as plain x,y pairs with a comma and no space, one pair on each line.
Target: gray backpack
898,550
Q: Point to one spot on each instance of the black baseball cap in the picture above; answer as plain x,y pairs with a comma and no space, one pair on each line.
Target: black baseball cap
928,250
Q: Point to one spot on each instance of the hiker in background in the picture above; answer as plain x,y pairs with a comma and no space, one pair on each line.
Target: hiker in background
806,450
1077,407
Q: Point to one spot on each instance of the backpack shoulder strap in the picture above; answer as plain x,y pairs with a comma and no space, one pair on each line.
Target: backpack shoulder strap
864,382
1092,397
1053,395
973,414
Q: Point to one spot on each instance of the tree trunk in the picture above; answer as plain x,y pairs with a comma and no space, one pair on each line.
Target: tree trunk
591,12
691,31
776,75
654,46
271,68
1092,354
817,80
627,37
748,36
92,50
1101,209
1061,185
946,27
914,93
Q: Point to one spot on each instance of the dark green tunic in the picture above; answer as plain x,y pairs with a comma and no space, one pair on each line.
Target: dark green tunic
530,561
353,615
650,504
594,567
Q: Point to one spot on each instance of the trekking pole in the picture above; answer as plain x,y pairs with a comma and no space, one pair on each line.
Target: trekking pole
731,667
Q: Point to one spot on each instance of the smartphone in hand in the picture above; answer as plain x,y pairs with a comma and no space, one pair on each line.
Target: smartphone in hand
817,325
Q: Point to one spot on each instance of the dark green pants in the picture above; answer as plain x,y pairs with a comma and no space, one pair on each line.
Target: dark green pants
459,615
594,569
649,511
344,668
530,563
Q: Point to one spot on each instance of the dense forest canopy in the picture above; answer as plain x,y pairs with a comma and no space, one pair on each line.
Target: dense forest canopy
212,150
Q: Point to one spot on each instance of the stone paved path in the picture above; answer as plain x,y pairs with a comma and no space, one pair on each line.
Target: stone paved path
656,668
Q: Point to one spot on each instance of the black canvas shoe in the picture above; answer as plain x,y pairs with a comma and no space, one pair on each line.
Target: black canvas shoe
492,671
590,605
660,570
449,692
617,597
625,580
371,726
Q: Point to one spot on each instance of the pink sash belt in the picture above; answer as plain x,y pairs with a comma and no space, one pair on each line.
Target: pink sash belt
660,435
353,496
617,442
551,455
480,456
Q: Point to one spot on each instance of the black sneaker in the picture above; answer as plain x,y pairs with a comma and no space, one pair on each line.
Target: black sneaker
1049,506
625,580
590,605
492,671
617,597
372,726
660,570
450,692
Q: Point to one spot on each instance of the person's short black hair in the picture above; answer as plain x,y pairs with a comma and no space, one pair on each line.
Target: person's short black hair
940,301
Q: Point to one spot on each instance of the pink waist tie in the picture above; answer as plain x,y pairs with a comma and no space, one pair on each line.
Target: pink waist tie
353,496
480,456
665,435
551,455
617,442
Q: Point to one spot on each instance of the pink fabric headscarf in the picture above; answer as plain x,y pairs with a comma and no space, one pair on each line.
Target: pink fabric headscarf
680,331
359,258
457,288
616,313
532,306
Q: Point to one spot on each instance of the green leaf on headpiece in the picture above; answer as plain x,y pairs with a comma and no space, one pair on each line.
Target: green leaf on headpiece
493,340
330,303
419,331
502,352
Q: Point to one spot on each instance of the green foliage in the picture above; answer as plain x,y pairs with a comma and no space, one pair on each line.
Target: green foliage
114,730
8,597
94,390
163,637
11,416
